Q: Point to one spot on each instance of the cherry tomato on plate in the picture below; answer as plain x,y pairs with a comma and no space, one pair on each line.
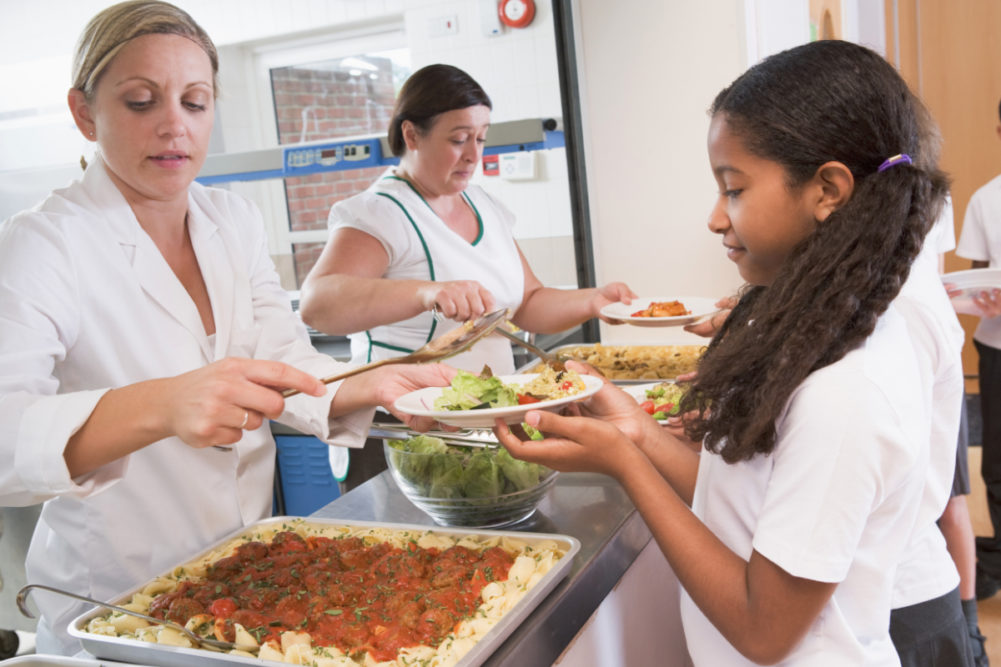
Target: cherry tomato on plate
524,399
647,406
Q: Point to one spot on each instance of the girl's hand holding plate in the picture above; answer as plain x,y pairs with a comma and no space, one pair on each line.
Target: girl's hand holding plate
572,444
606,430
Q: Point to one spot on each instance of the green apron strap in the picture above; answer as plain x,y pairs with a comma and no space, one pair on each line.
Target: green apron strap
427,254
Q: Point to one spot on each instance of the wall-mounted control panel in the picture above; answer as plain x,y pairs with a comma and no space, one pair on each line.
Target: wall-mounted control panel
314,157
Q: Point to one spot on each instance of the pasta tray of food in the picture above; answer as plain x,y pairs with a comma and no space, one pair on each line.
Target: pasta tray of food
337,593
632,364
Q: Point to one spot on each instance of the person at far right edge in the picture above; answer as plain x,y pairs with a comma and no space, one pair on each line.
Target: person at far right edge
980,241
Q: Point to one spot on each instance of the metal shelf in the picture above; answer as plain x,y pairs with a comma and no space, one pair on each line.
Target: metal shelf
316,157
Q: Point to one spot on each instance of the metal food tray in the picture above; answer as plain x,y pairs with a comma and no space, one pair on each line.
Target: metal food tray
531,366
44,660
147,653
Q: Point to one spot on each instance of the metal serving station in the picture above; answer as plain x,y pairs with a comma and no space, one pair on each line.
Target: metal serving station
592,508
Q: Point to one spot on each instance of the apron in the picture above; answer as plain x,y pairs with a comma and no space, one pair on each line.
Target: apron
492,259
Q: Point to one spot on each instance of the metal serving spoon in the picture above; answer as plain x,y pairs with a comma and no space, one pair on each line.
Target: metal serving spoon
198,640
553,360
507,329
450,344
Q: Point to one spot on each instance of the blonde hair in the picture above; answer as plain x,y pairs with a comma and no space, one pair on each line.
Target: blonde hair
115,26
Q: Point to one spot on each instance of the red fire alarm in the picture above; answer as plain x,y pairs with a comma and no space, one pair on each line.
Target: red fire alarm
516,13
491,165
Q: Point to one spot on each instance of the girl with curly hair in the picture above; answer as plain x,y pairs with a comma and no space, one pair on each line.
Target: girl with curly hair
813,402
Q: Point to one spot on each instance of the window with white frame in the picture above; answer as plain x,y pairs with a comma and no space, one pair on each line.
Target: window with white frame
344,86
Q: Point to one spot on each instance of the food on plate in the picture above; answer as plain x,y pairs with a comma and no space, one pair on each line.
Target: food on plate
549,384
663,400
637,362
663,309
486,390
336,595
447,471
475,392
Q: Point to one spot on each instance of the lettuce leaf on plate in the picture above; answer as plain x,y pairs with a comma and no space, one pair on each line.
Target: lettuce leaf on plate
476,392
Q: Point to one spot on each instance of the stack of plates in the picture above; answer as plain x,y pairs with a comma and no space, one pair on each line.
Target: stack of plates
965,284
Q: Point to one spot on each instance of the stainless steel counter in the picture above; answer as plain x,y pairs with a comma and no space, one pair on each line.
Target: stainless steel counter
593,508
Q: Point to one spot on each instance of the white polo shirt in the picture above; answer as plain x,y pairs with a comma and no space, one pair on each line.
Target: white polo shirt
836,501
927,571
980,240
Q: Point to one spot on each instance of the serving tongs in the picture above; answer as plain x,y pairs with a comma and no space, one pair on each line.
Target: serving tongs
194,637
471,437
508,329
555,361
450,344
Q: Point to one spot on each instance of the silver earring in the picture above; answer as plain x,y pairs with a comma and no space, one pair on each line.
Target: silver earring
92,134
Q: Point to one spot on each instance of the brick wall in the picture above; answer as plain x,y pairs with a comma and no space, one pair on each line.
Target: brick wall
337,103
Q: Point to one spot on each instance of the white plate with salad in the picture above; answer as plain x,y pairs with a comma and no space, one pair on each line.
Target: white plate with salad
476,401
658,399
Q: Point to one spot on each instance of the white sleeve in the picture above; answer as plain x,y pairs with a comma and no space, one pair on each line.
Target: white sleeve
283,337
38,323
945,226
378,216
973,238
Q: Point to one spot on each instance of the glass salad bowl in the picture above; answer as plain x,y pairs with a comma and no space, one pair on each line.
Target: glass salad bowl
480,486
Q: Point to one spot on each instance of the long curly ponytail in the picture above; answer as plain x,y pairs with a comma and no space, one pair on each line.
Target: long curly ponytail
820,102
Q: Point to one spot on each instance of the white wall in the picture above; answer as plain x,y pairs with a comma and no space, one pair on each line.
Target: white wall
650,71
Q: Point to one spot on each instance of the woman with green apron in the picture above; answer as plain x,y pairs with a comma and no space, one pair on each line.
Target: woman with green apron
423,250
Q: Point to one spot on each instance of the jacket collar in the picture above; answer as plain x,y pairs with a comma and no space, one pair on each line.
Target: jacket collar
154,275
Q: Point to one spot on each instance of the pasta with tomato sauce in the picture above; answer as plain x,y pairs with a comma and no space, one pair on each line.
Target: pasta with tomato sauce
341,596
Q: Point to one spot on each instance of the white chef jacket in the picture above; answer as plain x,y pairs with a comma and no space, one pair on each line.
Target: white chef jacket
87,304
835,501
420,246
980,240
927,571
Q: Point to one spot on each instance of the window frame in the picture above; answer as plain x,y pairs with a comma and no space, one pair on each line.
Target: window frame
377,37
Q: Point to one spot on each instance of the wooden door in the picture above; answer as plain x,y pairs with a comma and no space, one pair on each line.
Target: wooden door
825,19
948,51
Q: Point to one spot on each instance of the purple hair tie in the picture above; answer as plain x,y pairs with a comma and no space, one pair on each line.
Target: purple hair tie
902,158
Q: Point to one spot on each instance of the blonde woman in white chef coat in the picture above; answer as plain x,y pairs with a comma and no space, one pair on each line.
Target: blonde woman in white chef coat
141,324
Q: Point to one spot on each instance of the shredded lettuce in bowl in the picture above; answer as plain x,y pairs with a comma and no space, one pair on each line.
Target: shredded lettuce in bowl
433,469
